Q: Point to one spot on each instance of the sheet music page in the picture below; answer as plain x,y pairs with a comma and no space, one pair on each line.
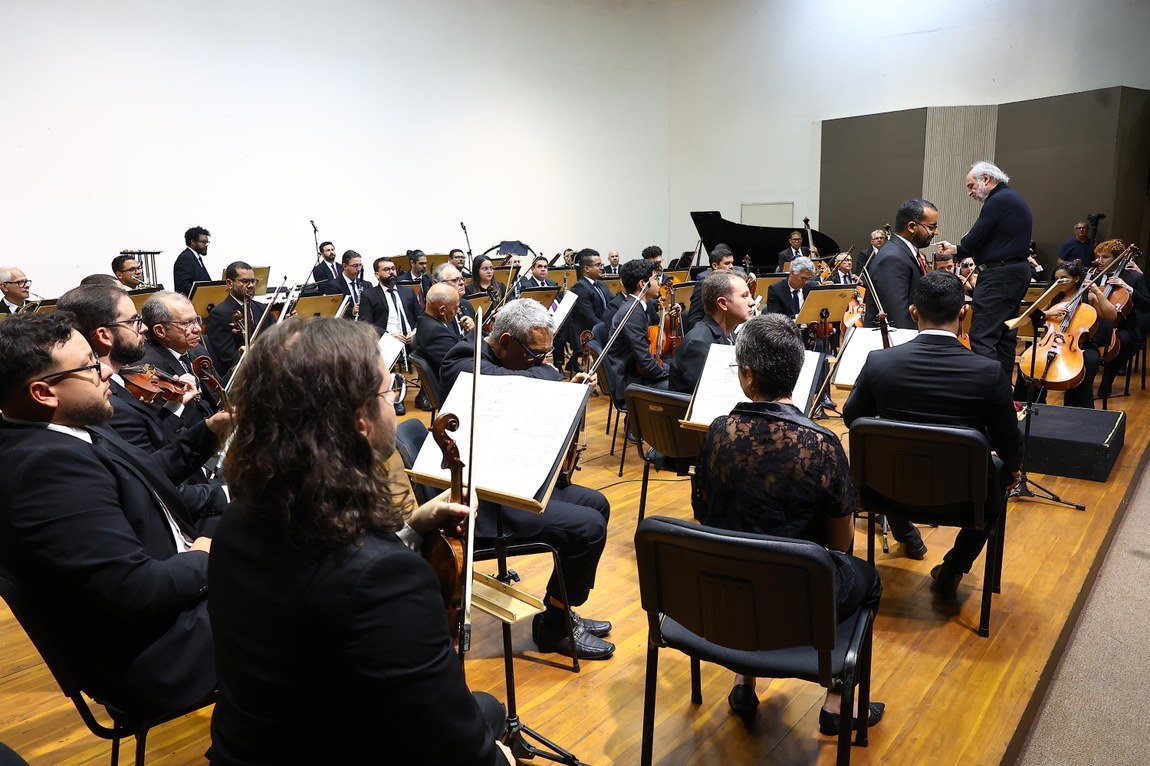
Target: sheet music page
857,347
560,314
390,348
515,452
719,391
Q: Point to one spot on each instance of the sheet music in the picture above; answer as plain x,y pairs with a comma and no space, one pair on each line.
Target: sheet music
515,452
390,348
563,310
719,390
857,345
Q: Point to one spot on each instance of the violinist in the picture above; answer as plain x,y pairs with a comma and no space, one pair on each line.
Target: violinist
575,519
630,359
592,298
1129,286
722,259
236,317
465,314
174,339
1081,395
968,273
483,280
321,610
728,303
943,262
842,273
787,296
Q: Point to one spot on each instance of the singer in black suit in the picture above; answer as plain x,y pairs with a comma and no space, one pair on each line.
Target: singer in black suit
898,267
225,334
189,267
326,272
903,383
96,531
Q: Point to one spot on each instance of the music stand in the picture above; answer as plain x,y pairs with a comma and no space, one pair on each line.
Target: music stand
763,283
544,295
415,287
321,305
205,296
683,293
139,296
433,260
45,306
825,304
614,284
479,301
679,275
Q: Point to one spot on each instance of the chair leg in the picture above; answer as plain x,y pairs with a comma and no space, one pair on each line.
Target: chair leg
115,760
862,674
988,578
696,682
615,435
649,704
607,430
1000,536
643,491
870,537
623,449
141,745
846,720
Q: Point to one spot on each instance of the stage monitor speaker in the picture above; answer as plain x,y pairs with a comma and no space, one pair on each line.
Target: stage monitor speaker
1075,442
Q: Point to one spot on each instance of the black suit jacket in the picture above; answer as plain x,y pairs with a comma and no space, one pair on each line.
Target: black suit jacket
528,282
187,270
325,282
895,272
629,359
162,359
589,309
788,255
691,355
84,532
425,282
351,640
609,270
779,298
375,307
839,278
4,308
902,383
863,258
225,345
433,339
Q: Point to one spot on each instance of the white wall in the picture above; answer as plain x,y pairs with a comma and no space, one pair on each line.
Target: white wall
388,122
749,80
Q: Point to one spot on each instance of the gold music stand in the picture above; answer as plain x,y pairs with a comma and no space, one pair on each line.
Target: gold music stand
415,287
479,301
762,284
544,295
320,305
614,284
833,298
205,296
140,296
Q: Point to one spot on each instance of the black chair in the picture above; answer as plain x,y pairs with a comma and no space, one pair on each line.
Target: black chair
409,438
128,720
929,474
654,417
758,605
428,381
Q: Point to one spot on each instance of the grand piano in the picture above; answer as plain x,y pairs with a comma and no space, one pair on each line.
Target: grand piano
762,243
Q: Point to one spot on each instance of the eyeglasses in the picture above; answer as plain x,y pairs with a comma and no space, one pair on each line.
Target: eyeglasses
537,358
735,368
187,324
931,226
137,321
133,269
456,281
967,264
62,373
397,392
247,282
20,282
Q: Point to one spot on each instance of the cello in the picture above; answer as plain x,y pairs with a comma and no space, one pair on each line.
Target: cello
446,550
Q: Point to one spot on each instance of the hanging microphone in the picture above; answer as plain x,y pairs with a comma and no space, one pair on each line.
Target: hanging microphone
313,228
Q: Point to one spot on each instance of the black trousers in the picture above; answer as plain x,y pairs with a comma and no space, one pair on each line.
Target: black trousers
574,523
996,299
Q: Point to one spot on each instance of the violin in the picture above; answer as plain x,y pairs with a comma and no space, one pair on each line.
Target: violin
578,444
752,283
148,384
202,368
856,309
445,549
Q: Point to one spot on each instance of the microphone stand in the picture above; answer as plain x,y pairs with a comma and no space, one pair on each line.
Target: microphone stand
468,240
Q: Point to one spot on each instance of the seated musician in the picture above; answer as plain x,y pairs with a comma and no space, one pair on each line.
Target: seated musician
788,295
94,529
228,321
1081,395
483,280
331,640
630,359
721,259
968,273
943,262
174,340
903,383
727,301
842,274
537,277
575,520
767,469
1132,327
450,274
437,330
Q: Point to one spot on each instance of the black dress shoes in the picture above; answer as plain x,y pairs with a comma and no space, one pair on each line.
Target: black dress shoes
913,547
400,409
587,645
944,581
600,628
829,722
743,701
422,402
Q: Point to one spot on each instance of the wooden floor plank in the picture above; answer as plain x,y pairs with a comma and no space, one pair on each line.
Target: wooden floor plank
952,697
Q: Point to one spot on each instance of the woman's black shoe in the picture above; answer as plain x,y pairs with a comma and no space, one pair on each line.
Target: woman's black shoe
743,700
829,722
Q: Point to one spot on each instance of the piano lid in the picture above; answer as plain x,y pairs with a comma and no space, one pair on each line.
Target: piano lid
762,243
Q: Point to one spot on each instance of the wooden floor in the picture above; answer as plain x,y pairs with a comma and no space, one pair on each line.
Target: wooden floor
952,697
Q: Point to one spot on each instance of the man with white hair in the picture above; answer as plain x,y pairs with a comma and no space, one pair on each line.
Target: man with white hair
14,289
999,243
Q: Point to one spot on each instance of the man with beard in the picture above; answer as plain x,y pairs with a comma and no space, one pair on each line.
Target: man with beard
236,316
388,308
97,533
326,271
189,267
459,260
127,271
897,266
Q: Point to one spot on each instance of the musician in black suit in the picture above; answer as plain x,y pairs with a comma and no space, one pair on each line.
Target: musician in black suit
326,272
351,282
721,259
575,519
322,610
225,328
728,303
897,268
94,529
458,259
629,360
903,383
788,295
436,330
174,340
593,296
877,240
465,316
794,250
612,267
841,275
537,277
14,291
378,304
189,267
418,272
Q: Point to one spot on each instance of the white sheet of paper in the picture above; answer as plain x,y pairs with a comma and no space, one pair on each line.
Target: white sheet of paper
515,452
564,309
719,390
390,348
858,344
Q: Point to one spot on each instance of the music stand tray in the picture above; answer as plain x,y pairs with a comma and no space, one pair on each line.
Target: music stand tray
834,298
614,284
544,295
480,301
415,287
205,296
321,305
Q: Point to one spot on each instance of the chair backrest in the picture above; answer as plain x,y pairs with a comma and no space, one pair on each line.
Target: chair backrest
655,417
934,473
739,590
428,379
409,438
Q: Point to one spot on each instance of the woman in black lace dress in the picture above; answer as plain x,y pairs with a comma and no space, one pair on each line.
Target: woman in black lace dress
767,469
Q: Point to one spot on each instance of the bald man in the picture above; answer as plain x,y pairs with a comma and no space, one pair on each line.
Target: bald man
436,330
